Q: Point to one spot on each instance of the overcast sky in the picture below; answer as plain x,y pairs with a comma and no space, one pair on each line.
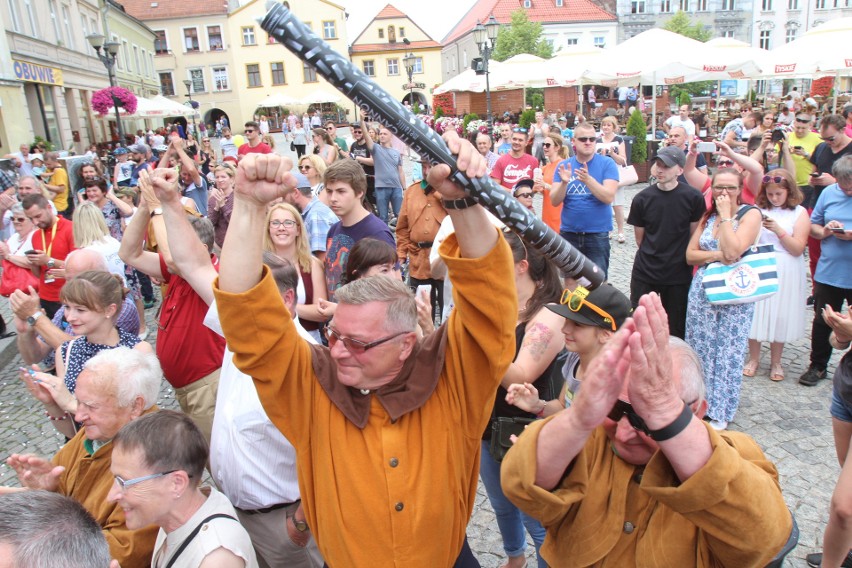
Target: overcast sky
436,17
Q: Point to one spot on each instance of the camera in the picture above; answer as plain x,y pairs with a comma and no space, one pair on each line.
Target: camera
777,135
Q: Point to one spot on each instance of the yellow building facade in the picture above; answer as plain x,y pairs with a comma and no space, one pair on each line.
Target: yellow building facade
380,52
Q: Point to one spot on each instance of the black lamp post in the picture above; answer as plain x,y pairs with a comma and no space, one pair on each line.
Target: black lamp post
485,38
188,84
409,61
107,53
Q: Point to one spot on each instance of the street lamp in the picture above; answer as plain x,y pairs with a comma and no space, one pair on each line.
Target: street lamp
188,84
485,38
107,53
409,61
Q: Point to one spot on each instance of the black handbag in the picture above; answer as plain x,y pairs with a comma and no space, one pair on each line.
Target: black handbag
292,146
502,428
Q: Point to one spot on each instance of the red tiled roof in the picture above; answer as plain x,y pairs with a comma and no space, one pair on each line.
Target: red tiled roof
147,10
389,12
398,46
543,11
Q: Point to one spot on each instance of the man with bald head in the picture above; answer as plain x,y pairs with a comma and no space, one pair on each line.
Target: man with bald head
483,144
630,471
38,336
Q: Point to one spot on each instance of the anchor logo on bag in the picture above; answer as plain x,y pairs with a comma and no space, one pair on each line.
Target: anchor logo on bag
743,280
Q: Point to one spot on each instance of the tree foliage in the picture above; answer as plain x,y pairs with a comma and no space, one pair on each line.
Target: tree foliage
681,24
636,127
521,36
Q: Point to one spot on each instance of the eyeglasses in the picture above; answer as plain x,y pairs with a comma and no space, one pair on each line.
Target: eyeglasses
18,219
585,139
354,345
524,195
623,408
289,223
772,179
124,484
547,145
828,138
304,168
576,299
519,129
249,130
725,163
803,120
726,188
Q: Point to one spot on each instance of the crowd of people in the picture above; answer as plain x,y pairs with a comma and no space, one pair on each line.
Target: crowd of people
341,341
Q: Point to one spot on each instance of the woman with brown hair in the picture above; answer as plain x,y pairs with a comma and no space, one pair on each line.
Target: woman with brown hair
324,146
555,151
220,204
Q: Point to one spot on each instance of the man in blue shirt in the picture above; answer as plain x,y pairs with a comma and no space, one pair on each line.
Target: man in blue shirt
585,185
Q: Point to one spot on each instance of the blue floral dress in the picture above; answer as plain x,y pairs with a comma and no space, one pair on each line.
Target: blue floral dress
719,335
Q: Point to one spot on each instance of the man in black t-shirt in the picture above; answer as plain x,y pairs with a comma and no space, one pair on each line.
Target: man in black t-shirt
361,154
664,215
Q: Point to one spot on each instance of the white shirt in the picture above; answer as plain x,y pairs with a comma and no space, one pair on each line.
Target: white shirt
228,147
687,124
250,459
26,168
108,248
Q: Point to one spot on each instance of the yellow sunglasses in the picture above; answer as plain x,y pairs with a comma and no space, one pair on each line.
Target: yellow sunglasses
576,299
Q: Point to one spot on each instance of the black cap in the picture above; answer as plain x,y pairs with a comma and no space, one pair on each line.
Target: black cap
607,298
526,182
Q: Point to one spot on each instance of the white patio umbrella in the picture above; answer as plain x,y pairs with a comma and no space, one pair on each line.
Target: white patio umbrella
278,99
320,96
159,107
736,58
469,81
566,68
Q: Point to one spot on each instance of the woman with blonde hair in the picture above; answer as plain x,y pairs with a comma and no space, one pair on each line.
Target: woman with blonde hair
268,140
92,301
324,146
91,232
287,238
612,145
313,167
555,151
220,204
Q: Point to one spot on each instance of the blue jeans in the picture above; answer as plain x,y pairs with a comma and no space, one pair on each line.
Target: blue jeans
594,245
510,520
385,194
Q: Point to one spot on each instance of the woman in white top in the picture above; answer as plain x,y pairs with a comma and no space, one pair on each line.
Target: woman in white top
160,484
91,232
14,247
287,238
538,132
781,317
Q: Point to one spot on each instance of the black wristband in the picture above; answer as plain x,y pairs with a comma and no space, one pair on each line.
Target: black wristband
676,427
462,203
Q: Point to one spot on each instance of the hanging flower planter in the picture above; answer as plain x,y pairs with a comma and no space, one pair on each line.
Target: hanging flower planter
105,100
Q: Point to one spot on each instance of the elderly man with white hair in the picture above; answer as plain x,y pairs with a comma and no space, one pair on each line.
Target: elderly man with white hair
114,388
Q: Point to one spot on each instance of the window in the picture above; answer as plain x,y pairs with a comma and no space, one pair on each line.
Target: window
727,4
51,6
197,78
391,34
637,7
370,68
277,70
572,41
701,5
728,33
28,8
253,74
527,3
190,40
764,39
766,6
558,3
401,31
125,51
167,85
381,33
270,40
665,6
328,30
453,65
66,19
418,65
820,4
309,73
600,41
85,25
136,60
464,59
248,36
220,79
146,63
14,9
683,5
393,66
792,4
790,35
214,38
161,45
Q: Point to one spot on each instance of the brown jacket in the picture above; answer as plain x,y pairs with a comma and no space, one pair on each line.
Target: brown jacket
419,221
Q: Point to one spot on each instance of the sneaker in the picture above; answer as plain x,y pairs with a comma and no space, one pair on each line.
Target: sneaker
150,304
815,560
719,425
812,376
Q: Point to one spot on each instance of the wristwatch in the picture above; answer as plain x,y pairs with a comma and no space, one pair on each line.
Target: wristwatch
301,526
157,211
462,203
34,318
51,263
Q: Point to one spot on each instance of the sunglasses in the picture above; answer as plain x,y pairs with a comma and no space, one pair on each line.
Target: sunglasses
525,195
547,145
586,139
726,188
289,223
803,120
356,346
725,163
305,168
623,408
329,128
828,138
519,129
576,299
772,179
249,130
18,219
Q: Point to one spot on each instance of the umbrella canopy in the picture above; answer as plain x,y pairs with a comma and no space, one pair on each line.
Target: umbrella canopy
728,58
566,68
823,50
159,107
319,96
278,100
469,81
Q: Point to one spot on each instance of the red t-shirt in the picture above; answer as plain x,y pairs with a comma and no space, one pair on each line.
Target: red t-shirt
261,148
57,247
508,170
188,350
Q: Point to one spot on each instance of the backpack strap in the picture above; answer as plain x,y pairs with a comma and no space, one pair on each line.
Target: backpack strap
194,533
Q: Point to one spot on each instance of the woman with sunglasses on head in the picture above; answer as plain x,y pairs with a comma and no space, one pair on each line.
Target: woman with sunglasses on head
780,318
313,167
719,333
537,344
287,238
555,151
206,157
324,146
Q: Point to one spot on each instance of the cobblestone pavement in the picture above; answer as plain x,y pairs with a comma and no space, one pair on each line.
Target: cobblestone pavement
791,423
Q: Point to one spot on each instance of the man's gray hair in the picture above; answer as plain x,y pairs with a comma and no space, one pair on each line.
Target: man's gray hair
842,170
27,176
691,372
48,530
401,310
131,374
17,209
203,227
